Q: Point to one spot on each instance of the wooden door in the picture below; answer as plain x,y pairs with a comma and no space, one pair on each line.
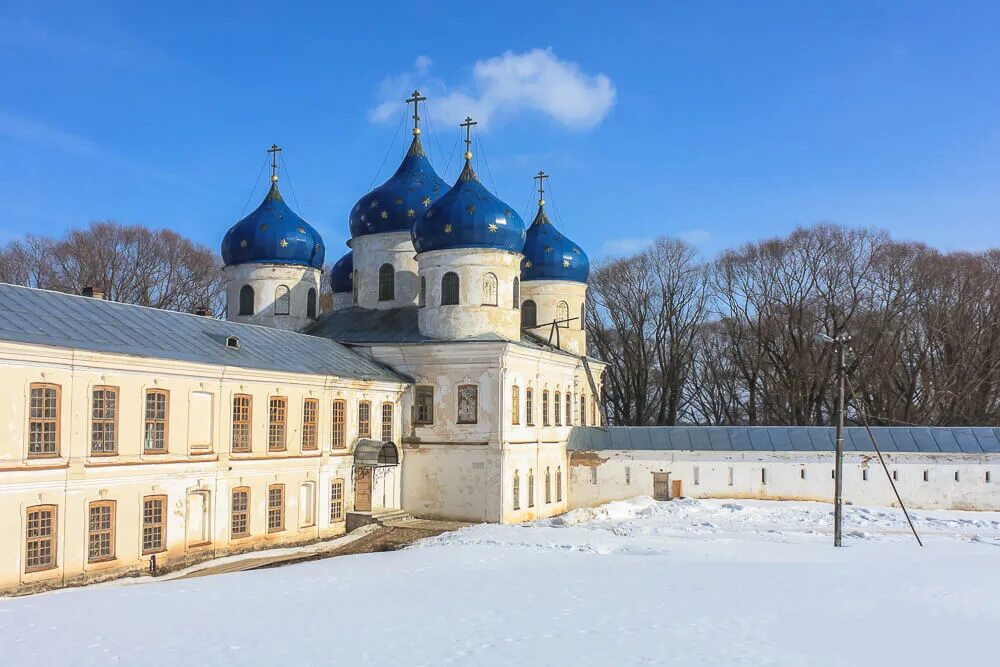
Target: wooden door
677,489
661,486
363,489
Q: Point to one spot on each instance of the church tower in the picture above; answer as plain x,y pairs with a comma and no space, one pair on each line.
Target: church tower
385,270
554,276
273,262
468,247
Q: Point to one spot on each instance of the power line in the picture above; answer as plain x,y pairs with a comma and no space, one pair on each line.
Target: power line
291,187
402,119
263,166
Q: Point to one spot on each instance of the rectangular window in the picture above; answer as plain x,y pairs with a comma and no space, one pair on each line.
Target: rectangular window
468,404
336,500
569,409
515,405
338,438
154,527
365,419
531,488
155,434
556,413
423,412
275,508
310,424
517,491
763,475
628,475
732,475
895,475
242,411
277,421
43,420
802,473
559,484
104,421
583,409
593,475
239,521
101,531
988,477
529,412
40,542
864,475
386,421
927,476
697,476
545,408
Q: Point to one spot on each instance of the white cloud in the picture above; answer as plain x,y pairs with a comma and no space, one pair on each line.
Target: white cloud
696,237
624,246
503,86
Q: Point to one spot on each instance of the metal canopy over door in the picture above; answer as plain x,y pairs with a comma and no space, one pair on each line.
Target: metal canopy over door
362,489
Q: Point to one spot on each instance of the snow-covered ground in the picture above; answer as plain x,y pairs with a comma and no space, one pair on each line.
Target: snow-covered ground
631,583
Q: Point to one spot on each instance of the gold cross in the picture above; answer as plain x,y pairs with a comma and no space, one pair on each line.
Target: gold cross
541,186
416,99
274,150
468,136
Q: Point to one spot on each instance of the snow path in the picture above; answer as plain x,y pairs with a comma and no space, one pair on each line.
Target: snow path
631,583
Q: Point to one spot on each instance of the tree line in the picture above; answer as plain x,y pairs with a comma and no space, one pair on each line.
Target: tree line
733,341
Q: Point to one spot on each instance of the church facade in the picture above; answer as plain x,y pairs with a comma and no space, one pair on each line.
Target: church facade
444,383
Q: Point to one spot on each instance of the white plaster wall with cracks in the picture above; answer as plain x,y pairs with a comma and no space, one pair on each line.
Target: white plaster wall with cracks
280,295
557,300
371,254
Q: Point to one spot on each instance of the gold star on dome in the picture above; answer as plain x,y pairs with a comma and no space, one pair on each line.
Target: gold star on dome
565,263
385,214
284,243
548,248
300,230
527,264
374,203
471,208
410,213
493,226
243,243
447,229
426,201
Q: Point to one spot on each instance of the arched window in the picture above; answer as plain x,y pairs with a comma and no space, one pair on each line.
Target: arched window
548,487
517,293
531,487
246,300
583,315
489,290
517,491
559,484
529,314
569,409
354,287
422,297
282,300
311,303
583,409
545,407
515,405
562,313
556,409
449,289
386,283
529,406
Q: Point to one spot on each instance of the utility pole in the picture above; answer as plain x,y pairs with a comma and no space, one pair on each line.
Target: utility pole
841,342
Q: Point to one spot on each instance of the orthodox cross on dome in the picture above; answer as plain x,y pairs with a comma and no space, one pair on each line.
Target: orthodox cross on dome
468,124
540,177
416,99
274,150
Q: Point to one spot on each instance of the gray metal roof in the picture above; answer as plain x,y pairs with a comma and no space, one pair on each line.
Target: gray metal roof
922,439
63,320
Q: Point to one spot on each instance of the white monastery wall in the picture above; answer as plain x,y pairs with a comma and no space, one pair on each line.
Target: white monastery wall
196,474
926,481
374,250
266,279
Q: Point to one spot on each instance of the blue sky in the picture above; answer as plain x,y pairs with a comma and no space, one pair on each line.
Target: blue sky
716,122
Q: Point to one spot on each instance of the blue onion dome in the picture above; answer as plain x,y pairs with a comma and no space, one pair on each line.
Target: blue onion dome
548,255
396,204
468,216
342,274
273,234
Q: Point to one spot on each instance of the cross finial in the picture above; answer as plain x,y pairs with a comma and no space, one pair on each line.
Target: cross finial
416,99
468,136
540,177
274,150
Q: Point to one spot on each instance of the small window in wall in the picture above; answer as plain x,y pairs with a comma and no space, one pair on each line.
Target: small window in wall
517,491
386,283
583,316
569,409
307,504
387,421
310,424
43,420
697,476
422,295
282,300
895,475
927,475
155,433
104,421
275,508
556,408
864,475
517,294
545,407
529,406
354,287
40,538
468,404
562,313
246,300
732,475
559,484
529,314
583,409
277,423
242,409
593,475
365,419
956,476
515,405
548,487
311,303
154,524
338,431
802,473
988,477
101,531
336,500
239,518
763,475
628,475
449,289
489,290
531,487
423,405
